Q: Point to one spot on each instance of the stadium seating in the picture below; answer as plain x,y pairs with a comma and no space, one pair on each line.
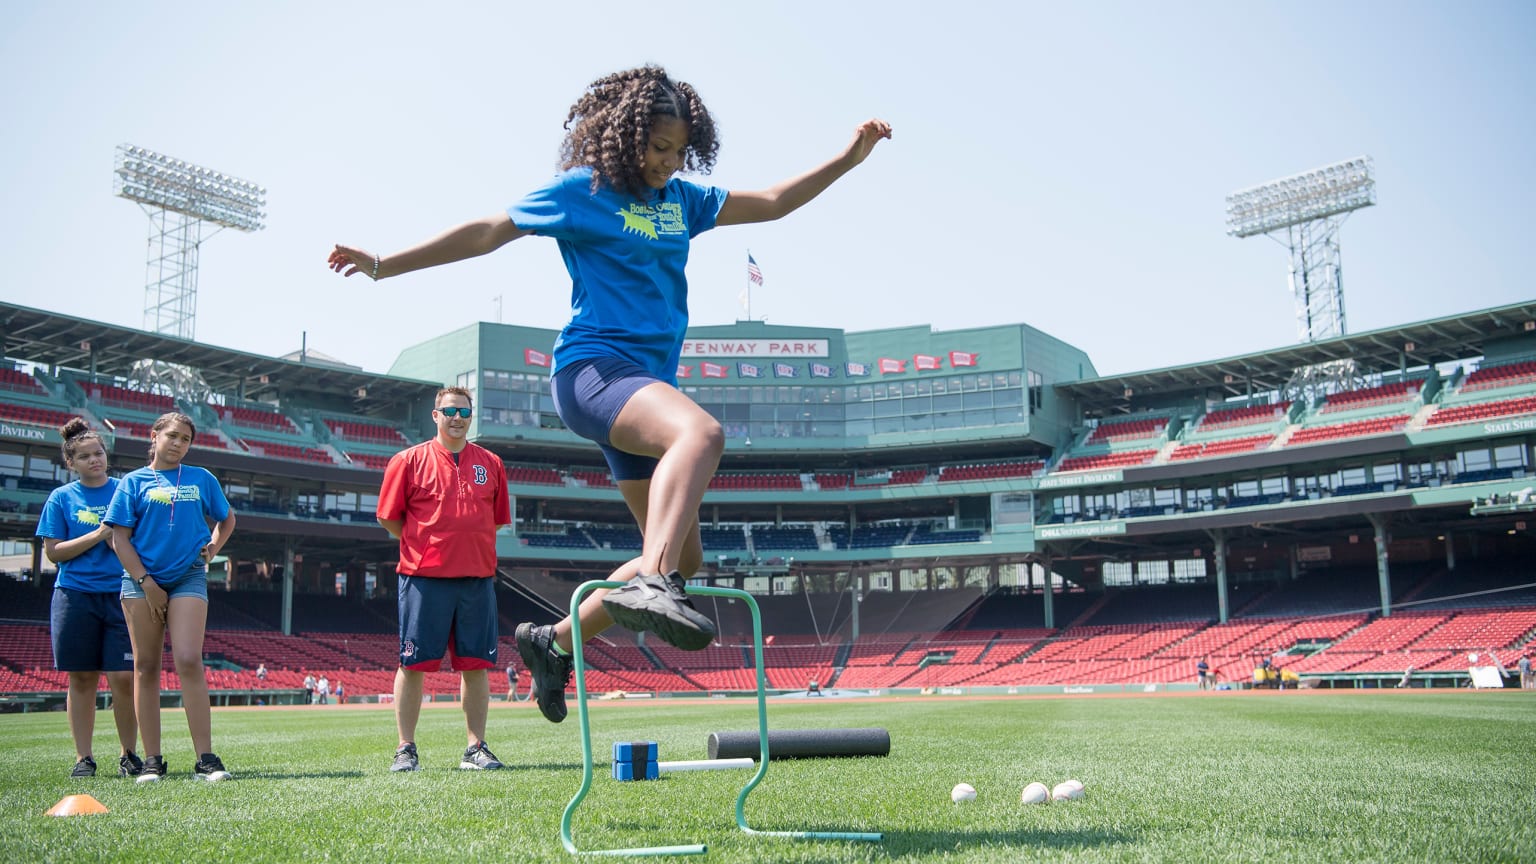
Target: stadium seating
256,418
366,432
20,382
1127,430
33,415
1104,461
1502,375
1447,415
122,397
1228,418
1386,394
1351,429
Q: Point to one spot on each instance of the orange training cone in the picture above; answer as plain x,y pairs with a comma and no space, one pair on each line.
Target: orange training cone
76,805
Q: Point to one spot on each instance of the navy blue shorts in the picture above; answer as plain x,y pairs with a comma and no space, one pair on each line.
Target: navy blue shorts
589,394
89,632
456,617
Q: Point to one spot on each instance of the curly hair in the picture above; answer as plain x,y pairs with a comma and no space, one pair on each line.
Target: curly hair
609,127
75,433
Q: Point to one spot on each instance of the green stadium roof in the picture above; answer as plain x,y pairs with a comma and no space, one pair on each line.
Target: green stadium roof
1439,340
45,337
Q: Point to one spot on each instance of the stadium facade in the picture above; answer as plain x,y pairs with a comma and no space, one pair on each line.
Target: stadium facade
939,466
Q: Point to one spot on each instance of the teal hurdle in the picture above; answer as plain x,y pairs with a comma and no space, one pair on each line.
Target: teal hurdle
762,726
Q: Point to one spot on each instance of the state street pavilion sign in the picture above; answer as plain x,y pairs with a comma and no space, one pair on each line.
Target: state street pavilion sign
781,348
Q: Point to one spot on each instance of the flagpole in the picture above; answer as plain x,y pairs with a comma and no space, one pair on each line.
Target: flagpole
749,288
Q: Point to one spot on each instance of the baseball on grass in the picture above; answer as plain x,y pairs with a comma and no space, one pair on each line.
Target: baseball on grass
962,792
1067,790
1035,793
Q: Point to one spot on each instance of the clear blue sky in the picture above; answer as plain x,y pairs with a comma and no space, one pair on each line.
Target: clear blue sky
1063,165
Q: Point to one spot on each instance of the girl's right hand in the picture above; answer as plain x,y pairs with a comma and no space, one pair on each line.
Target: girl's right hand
159,601
348,260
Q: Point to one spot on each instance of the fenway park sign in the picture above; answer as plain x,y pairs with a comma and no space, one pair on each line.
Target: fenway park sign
755,348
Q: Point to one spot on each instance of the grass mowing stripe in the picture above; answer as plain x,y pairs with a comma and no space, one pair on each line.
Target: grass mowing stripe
1443,776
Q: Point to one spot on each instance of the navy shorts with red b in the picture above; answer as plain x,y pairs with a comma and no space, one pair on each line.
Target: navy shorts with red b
453,617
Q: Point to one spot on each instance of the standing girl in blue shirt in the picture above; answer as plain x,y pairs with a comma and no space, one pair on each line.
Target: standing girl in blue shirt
90,636
623,221
160,519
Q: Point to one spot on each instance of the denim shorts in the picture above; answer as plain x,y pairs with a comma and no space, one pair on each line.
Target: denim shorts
589,394
193,583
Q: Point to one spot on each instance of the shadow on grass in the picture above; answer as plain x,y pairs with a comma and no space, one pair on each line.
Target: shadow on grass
906,844
900,844
249,776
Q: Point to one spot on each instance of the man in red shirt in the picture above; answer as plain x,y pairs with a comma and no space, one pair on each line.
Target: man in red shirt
444,499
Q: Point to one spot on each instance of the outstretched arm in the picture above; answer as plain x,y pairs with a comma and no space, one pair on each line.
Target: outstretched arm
470,240
784,198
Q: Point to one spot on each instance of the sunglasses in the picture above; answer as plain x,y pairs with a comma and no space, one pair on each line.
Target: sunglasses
454,411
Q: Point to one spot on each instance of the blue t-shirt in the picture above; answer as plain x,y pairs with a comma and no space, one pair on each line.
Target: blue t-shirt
75,510
169,512
626,256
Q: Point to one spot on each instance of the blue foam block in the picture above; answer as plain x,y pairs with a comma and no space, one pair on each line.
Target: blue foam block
635,760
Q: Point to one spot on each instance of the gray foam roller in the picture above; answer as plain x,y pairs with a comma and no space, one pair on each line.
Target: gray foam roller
801,743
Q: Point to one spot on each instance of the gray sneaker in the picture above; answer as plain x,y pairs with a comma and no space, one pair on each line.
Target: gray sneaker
154,769
405,759
84,768
551,669
129,765
659,604
480,758
210,768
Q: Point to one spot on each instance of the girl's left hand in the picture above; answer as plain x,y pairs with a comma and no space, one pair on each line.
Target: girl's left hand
207,554
866,137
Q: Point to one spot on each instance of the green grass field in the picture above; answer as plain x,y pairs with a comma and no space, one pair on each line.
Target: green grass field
1374,776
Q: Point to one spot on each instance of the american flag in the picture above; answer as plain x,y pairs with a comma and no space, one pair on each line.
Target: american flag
753,274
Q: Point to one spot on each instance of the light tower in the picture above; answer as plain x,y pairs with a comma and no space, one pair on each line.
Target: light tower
1303,214
179,198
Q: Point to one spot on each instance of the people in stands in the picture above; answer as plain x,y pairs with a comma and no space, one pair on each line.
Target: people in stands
323,690
511,682
261,672
1525,671
341,693
160,517
444,499
309,688
624,223
1202,673
89,633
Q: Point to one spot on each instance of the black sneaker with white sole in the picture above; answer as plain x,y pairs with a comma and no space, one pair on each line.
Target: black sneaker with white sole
551,670
209,768
660,605
86,767
154,769
480,758
129,765
405,759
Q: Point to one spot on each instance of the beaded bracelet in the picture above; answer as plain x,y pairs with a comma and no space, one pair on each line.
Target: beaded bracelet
375,266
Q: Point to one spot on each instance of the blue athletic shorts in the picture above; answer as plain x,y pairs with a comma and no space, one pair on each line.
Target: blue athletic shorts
193,583
89,632
589,394
453,616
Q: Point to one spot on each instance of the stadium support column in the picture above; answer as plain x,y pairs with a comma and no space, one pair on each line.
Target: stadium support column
288,563
1050,604
1383,574
1220,553
1450,552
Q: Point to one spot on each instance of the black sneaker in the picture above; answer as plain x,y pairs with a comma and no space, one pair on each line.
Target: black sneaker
209,768
551,669
154,768
129,765
659,604
84,768
405,759
480,758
